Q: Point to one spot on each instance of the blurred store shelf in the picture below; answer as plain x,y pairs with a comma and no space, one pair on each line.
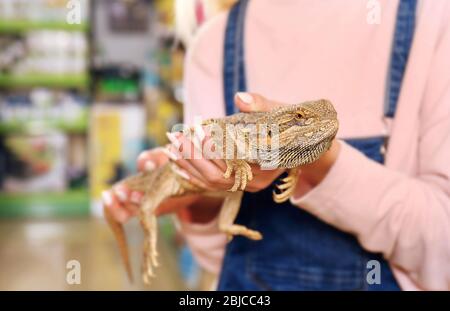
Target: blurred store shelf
78,103
44,109
22,120
70,203
21,26
79,81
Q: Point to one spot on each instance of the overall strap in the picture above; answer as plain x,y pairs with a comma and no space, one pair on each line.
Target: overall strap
403,36
234,79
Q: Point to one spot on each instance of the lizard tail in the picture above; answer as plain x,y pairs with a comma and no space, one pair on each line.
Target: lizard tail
119,234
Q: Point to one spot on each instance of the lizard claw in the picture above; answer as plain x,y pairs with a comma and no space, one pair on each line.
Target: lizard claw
286,188
242,174
287,179
234,229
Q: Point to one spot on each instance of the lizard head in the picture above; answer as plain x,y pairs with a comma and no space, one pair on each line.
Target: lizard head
300,133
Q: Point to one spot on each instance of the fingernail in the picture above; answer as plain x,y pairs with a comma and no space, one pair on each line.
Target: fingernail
136,197
122,195
170,154
107,198
199,136
142,155
149,166
173,139
246,98
180,172
199,132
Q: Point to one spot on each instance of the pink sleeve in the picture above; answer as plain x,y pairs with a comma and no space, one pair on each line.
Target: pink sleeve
203,98
203,94
407,218
206,242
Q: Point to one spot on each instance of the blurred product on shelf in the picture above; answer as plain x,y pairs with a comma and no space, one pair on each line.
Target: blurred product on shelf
117,84
40,128
165,11
43,53
43,163
116,138
38,47
163,90
54,52
12,50
43,109
129,16
38,12
38,163
163,116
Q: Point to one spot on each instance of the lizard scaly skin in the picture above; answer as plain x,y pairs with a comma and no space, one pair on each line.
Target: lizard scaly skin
286,137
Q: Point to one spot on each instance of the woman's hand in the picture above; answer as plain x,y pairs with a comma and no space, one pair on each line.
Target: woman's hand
124,203
208,173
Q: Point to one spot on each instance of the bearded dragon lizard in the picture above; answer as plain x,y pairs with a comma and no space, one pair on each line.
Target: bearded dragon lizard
286,137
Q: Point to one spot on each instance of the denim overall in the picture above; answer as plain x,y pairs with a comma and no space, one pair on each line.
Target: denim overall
299,251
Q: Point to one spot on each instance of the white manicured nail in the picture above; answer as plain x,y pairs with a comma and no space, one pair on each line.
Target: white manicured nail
142,155
173,139
199,136
170,154
199,132
246,98
149,166
180,172
122,195
136,197
107,198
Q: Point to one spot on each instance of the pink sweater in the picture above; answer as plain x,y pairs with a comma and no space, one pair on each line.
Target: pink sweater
298,50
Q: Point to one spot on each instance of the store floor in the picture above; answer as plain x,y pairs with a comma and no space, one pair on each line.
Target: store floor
34,254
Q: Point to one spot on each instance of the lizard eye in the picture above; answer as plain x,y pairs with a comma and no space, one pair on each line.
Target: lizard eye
299,115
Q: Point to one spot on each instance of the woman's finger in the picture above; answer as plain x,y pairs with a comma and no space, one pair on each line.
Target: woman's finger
199,147
111,202
182,150
250,102
150,159
129,200
184,169
210,153
189,173
122,192
210,171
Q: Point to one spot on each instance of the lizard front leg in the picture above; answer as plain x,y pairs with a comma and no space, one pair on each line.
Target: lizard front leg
242,173
287,187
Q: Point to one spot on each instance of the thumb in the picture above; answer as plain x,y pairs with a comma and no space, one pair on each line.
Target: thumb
250,102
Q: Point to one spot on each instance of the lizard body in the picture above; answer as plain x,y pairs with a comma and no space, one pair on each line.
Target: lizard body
286,137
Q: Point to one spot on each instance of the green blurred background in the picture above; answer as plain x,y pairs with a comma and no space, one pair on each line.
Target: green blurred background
80,97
